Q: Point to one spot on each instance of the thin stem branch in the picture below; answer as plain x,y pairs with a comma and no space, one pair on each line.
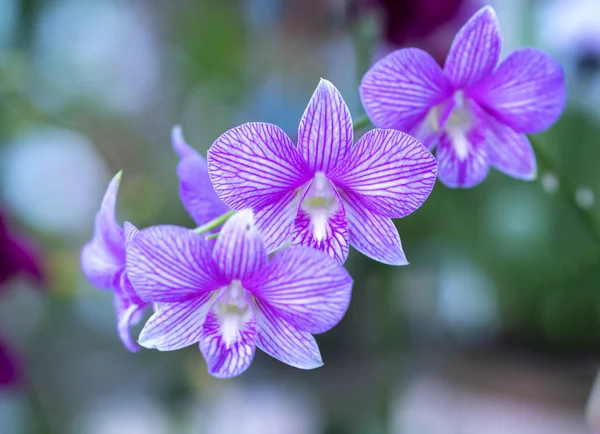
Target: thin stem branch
214,223
361,122
566,189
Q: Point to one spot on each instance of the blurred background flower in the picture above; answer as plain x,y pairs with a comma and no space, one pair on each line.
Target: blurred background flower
494,324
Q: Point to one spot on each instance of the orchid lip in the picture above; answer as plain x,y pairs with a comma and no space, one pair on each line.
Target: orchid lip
320,203
233,311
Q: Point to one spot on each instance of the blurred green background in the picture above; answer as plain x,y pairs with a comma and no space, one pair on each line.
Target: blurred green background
494,327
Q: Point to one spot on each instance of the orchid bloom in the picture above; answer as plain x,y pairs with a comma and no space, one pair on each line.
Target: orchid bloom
478,111
103,263
325,193
232,298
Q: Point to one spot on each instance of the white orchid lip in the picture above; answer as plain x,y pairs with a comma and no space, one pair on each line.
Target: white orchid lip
320,203
457,126
232,311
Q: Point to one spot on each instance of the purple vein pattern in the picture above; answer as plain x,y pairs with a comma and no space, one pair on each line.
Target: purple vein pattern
232,298
476,111
325,192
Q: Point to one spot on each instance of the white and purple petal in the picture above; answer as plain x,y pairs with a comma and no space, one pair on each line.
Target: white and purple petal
464,164
227,359
305,287
103,258
195,189
391,172
254,165
275,221
325,132
176,325
171,264
510,152
281,340
371,234
240,249
399,90
475,50
527,92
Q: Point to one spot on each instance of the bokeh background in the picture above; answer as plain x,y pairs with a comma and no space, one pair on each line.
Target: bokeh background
494,327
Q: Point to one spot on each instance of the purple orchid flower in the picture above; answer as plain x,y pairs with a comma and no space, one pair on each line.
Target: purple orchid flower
197,194
325,193
103,263
479,113
232,298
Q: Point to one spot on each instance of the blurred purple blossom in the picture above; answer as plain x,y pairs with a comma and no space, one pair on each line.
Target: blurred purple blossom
232,298
426,24
197,194
478,111
325,193
103,263
18,255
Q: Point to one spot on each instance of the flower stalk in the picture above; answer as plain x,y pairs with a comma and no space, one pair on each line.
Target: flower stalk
213,224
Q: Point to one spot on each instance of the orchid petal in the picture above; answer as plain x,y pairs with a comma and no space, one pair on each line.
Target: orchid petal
371,234
171,264
527,92
128,315
510,152
196,191
275,221
240,250
462,171
281,340
392,172
325,132
103,258
400,89
475,50
254,165
327,232
305,287
176,325
224,360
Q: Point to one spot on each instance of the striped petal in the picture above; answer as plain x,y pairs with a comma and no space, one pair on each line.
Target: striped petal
391,172
371,234
275,221
281,340
305,287
325,132
322,229
176,325
240,250
254,165
103,258
510,152
225,359
475,50
171,264
400,89
195,189
527,91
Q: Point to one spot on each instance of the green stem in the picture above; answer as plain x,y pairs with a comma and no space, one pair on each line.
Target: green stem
212,236
214,223
361,122
566,189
